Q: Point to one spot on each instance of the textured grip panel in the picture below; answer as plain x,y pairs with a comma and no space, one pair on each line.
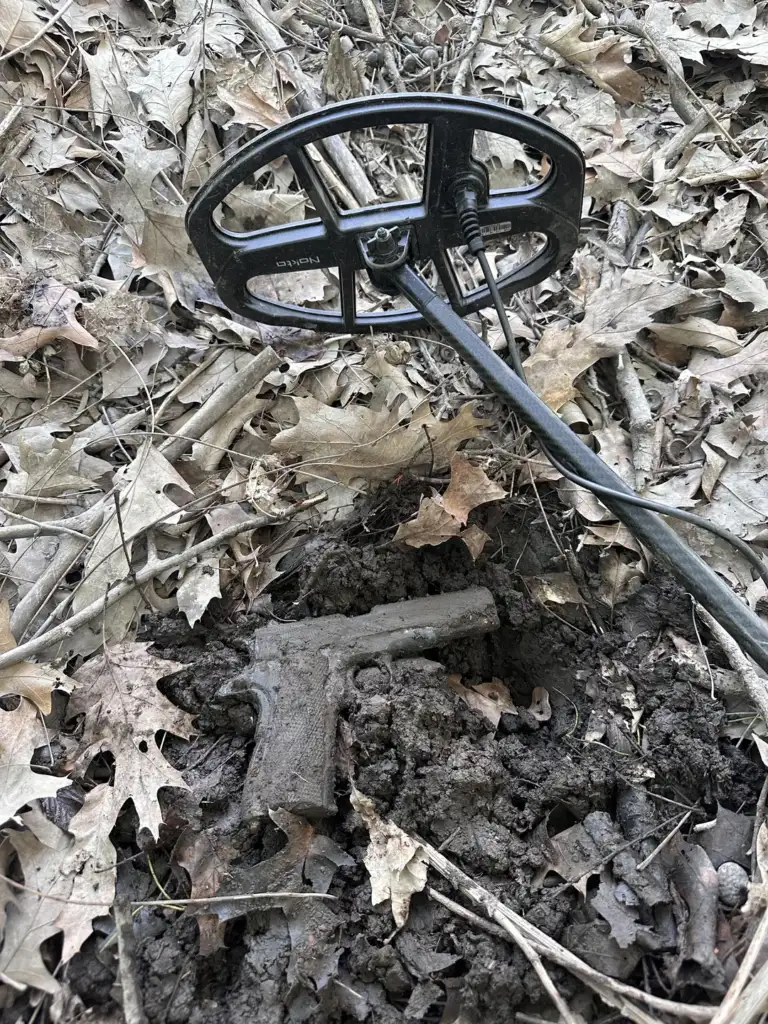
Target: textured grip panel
293,762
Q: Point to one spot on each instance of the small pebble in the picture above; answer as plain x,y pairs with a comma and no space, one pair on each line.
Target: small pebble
733,882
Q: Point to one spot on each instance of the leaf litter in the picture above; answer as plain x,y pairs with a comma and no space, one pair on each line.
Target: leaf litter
112,341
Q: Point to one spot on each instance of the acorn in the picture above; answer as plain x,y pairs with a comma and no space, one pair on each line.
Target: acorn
421,39
430,55
733,882
411,63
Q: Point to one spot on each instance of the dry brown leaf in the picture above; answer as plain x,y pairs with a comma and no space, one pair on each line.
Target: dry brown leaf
432,525
359,443
723,226
745,286
601,59
475,539
540,707
143,502
35,682
613,315
696,332
21,732
199,587
20,22
396,864
74,872
554,588
249,108
207,865
469,487
32,338
124,710
491,700
751,359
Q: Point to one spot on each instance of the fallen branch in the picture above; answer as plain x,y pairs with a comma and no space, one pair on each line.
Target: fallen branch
642,427
70,548
166,565
307,98
484,8
755,687
372,14
221,401
615,993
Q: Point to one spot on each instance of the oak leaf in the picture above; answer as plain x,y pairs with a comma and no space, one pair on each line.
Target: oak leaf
27,679
124,710
69,880
613,315
469,487
431,526
371,444
21,733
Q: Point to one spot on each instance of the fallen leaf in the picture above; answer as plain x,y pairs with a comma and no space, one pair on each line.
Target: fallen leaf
723,372
432,525
696,332
198,588
475,539
554,588
540,707
396,864
20,22
360,443
602,59
27,679
468,488
723,226
163,84
71,880
745,286
613,315
207,864
21,732
308,856
124,710
491,700
143,502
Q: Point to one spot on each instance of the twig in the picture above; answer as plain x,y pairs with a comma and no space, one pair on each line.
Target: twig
736,172
484,8
66,629
615,993
762,800
681,94
220,402
664,843
754,1000
337,26
757,688
734,995
673,147
372,14
32,529
69,550
642,428
38,35
308,98
11,118
133,1011
205,900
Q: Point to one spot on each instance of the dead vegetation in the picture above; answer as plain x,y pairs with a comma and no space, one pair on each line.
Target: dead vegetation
158,454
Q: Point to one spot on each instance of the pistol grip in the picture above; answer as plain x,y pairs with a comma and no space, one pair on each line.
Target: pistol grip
293,762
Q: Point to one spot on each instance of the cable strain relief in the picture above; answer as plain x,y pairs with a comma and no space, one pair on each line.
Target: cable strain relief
469,220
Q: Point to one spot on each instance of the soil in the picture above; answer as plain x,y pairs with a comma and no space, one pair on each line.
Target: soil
492,800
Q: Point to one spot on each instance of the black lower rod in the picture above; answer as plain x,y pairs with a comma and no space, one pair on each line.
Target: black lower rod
705,585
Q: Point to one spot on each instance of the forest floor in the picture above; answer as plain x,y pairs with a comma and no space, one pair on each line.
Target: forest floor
561,819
